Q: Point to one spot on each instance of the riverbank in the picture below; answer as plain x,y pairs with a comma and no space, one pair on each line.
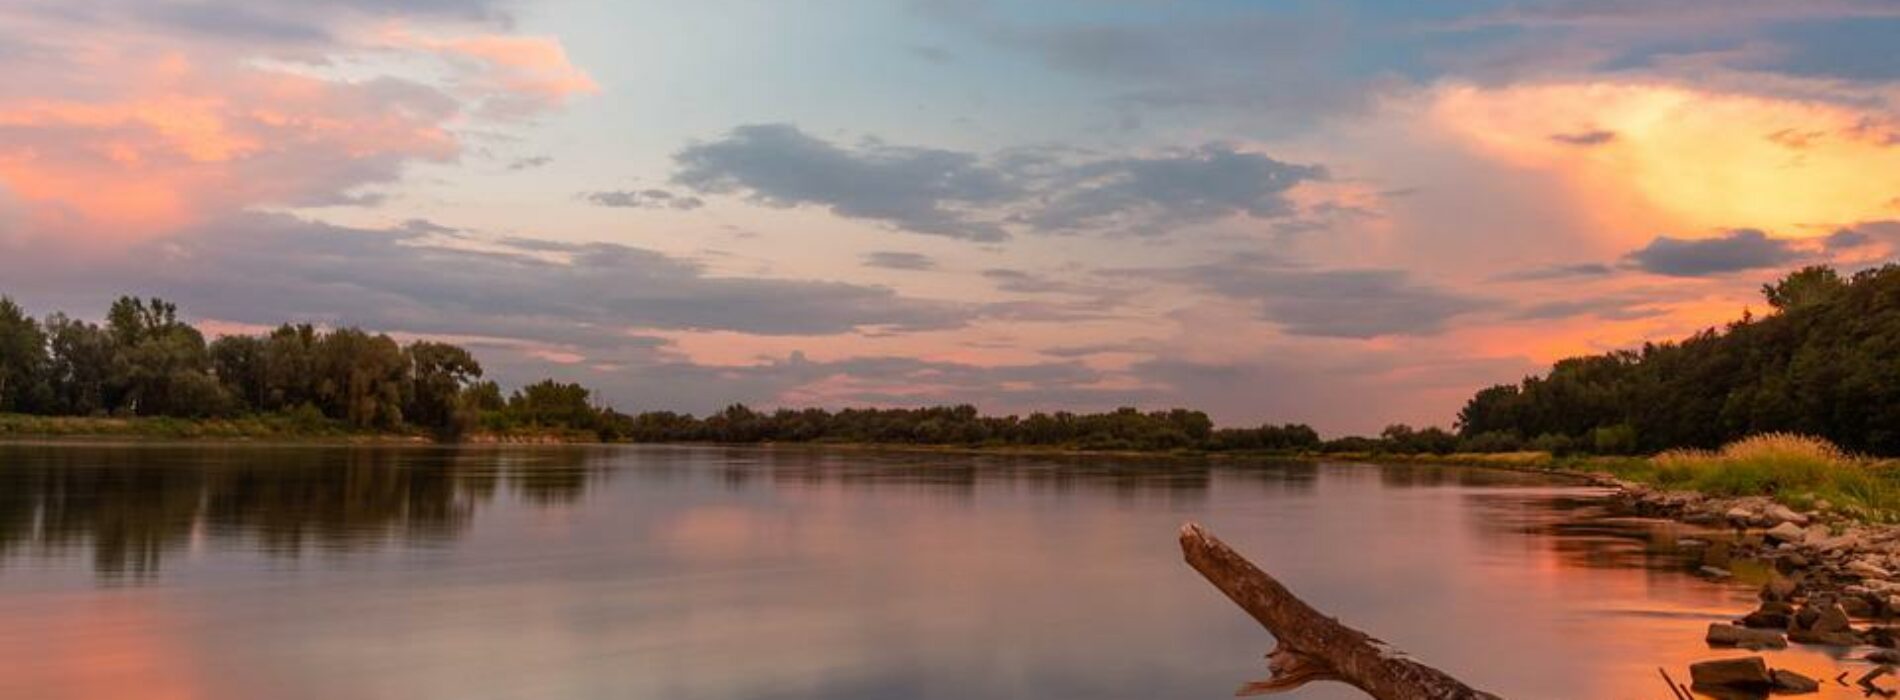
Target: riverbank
289,428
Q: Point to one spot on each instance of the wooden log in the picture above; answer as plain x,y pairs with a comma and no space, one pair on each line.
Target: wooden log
1311,646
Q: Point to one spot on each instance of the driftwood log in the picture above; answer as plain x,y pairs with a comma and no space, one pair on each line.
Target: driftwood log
1312,646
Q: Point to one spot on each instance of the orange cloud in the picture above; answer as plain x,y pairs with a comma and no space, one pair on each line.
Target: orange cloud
1658,158
512,74
152,134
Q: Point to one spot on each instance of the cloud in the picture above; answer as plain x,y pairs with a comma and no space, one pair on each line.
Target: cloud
529,163
1742,249
1611,307
968,196
932,54
1585,138
124,121
1334,303
893,260
644,199
921,190
1151,195
1845,239
1686,156
1558,272
1682,14
269,268
1258,63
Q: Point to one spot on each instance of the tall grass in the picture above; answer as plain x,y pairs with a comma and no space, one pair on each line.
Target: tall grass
1794,469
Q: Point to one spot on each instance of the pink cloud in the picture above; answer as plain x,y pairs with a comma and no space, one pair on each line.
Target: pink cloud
121,136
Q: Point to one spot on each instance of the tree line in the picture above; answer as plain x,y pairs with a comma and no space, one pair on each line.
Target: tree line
144,361
1824,361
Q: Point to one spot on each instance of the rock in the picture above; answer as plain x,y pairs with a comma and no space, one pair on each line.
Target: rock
1788,681
1796,561
1857,606
1884,656
1691,543
1845,542
1715,572
1740,514
1838,639
1784,514
1833,618
1721,635
1767,619
1866,569
1787,532
1883,637
1747,672
1778,589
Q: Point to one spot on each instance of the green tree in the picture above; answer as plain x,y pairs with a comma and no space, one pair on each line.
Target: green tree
361,378
23,360
79,358
441,372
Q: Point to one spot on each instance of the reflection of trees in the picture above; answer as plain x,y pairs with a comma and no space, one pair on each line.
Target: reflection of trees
132,505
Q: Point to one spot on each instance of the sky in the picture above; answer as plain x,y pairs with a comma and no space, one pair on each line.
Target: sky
1344,213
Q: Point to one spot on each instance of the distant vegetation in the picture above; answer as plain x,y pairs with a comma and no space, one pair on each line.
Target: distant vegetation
297,380
145,373
1824,362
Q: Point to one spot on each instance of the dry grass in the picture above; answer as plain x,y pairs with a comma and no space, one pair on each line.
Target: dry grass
1794,469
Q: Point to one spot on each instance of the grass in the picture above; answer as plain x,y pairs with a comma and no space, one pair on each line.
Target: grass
1794,469
259,427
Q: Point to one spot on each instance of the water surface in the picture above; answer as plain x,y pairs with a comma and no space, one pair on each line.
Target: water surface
195,571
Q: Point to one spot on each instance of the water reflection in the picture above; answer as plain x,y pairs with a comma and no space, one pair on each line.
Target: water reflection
800,573
132,505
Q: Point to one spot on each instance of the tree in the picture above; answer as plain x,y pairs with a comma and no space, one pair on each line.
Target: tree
79,359
157,361
239,362
1808,286
553,404
440,374
23,361
361,378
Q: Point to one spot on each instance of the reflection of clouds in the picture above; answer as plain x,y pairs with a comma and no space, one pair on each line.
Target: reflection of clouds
712,572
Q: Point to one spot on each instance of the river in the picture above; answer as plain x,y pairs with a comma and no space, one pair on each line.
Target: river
681,573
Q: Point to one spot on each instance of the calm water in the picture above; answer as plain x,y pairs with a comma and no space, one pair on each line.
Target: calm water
681,573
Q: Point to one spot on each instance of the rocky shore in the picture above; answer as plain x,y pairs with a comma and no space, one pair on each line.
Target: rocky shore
1833,580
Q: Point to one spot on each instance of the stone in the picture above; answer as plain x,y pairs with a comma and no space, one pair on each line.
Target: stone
1784,514
1723,635
1715,572
1779,589
1833,618
1767,619
1838,639
1746,672
1884,656
1740,514
1857,606
1787,532
1866,569
1788,681
1691,543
